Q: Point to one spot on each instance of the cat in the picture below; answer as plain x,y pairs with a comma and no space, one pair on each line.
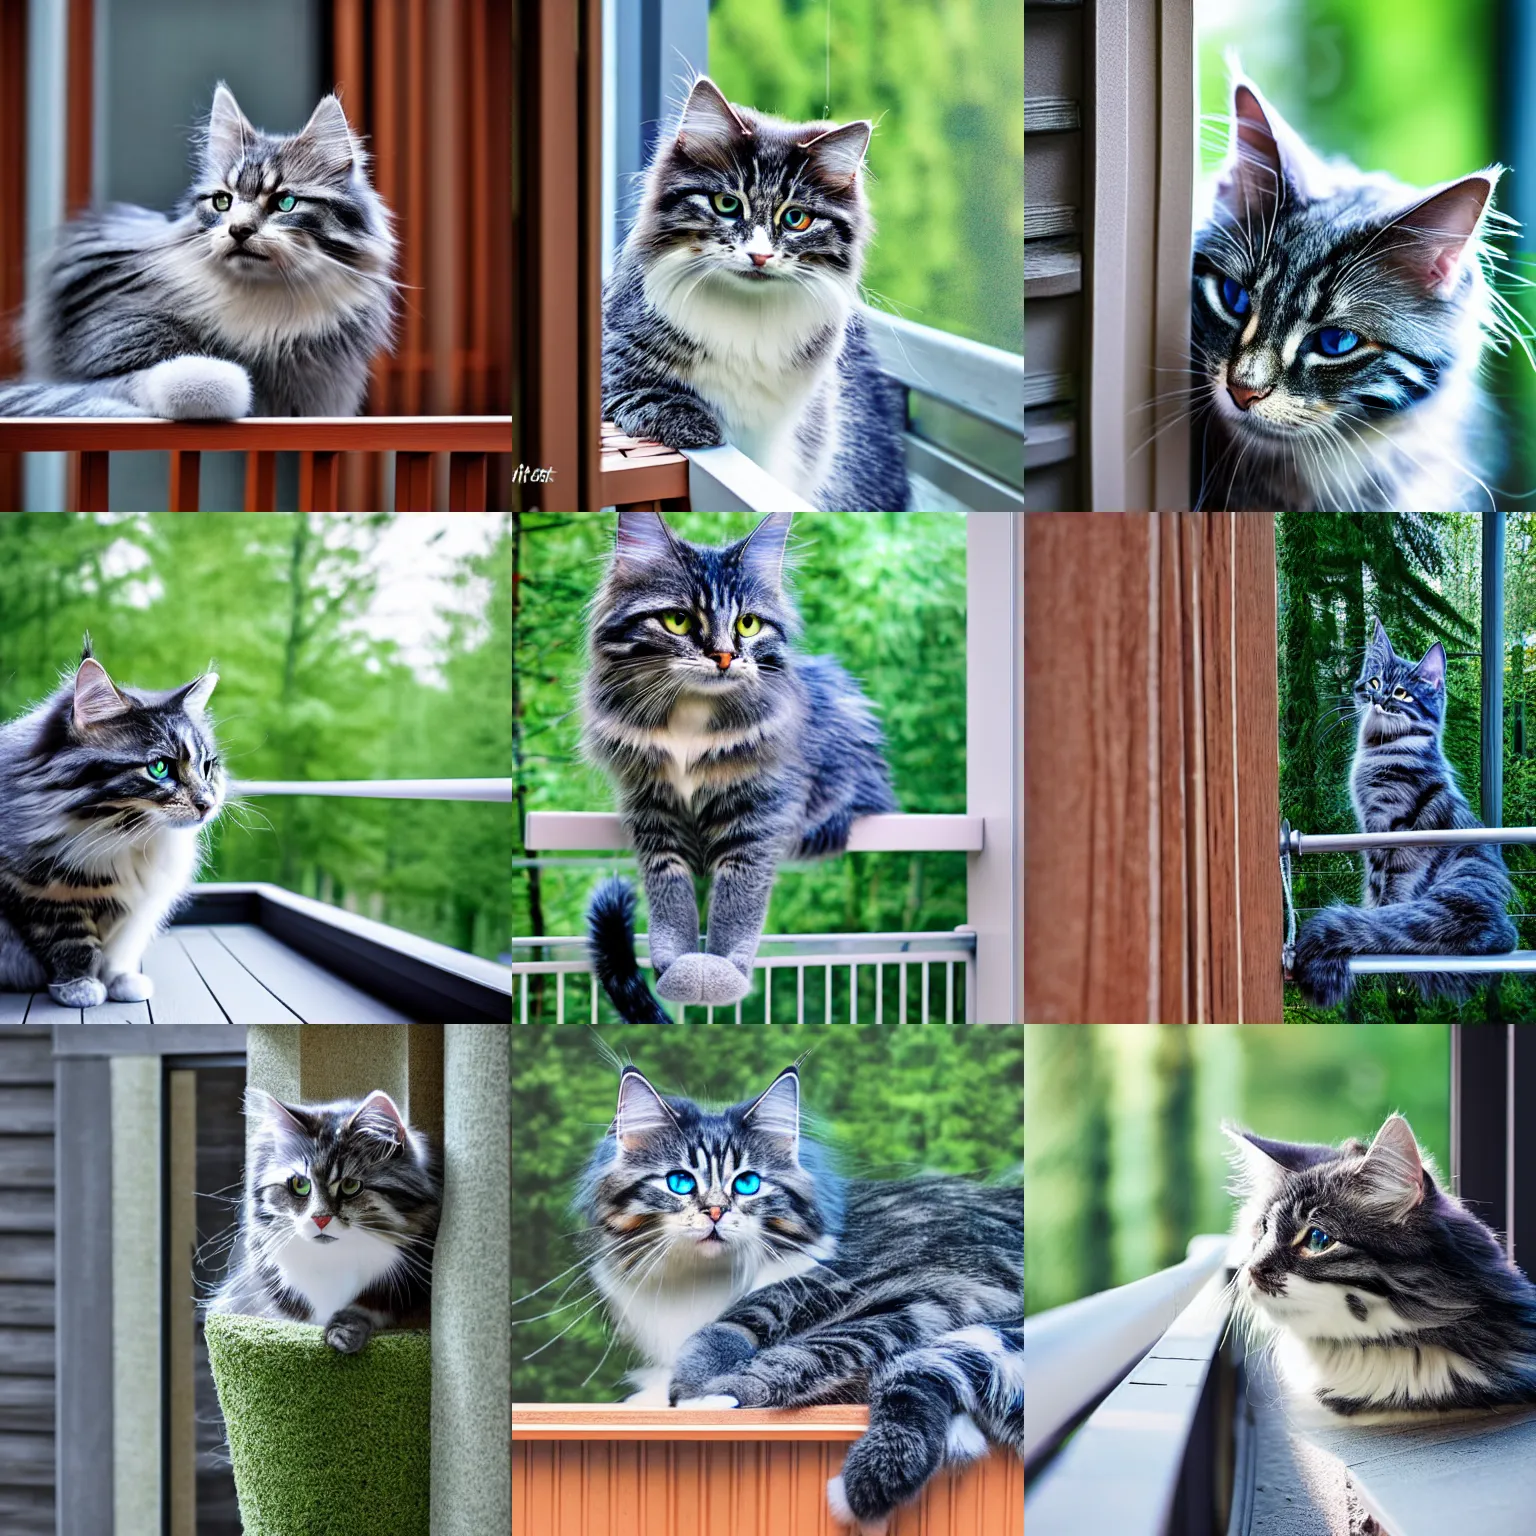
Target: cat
339,1219
749,1275
266,292
1435,900
731,312
107,789
1339,321
1385,1294
730,753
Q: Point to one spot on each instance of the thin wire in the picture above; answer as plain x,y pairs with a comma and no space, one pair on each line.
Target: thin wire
1288,951
826,106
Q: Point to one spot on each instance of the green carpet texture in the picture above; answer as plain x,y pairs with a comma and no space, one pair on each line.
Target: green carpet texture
325,1444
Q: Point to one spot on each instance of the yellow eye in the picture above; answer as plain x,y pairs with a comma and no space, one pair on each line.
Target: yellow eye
1399,693
748,625
795,219
677,623
1375,682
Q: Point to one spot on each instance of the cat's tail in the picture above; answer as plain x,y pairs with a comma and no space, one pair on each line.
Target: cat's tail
611,944
945,1402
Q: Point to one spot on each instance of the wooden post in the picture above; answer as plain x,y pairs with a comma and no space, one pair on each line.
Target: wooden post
185,467
260,482
413,482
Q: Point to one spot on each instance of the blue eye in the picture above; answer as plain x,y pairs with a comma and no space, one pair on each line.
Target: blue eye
1234,296
159,770
1335,343
682,1183
1316,1240
747,1184
285,202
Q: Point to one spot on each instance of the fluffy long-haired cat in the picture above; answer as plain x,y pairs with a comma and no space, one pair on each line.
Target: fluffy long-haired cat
1440,900
266,292
1383,1292
731,313
339,1219
749,1275
730,753
106,791
1339,322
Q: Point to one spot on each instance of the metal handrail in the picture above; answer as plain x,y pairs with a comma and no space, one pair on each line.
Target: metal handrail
866,948
1298,843
380,789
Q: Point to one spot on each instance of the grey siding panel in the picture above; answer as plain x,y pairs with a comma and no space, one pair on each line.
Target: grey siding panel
27,1109
27,1256
27,1351
26,1210
26,1511
26,1057
26,1162
24,1306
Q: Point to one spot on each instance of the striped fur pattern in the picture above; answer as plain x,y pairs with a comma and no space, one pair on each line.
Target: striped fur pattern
1384,1295
339,1219
729,751
1427,901
1339,321
749,1275
233,304
107,790
730,315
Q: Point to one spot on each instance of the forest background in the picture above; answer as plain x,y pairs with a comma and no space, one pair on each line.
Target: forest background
311,686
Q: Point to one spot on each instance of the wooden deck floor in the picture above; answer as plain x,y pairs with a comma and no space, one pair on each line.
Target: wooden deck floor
224,973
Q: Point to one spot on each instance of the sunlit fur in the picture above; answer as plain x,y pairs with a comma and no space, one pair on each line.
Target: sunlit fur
721,771
702,344
351,1262
1429,901
95,854
906,1295
208,313
1412,1305
1398,421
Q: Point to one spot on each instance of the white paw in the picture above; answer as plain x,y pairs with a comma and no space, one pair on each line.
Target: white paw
722,982
715,1400
130,987
195,389
837,1503
682,980
82,992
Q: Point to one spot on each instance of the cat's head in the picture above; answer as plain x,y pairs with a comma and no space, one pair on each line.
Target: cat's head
336,1177
676,618
295,211
1395,695
687,1188
743,207
1328,302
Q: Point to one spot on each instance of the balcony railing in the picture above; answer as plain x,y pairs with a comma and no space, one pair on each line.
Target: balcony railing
410,441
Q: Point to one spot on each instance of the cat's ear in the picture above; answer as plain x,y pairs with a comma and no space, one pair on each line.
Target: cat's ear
642,538
641,1113
1432,668
1392,1175
228,130
762,551
838,153
194,697
1256,1163
1430,239
777,1112
261,1105
709,129
96,699
1266,157
331,136
379,1116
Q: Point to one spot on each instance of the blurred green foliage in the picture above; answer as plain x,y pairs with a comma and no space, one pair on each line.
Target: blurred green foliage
1124,1159
305,692
889,1101
943,82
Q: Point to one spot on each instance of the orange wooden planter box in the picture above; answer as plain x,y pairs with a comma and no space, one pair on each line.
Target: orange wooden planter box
586,1470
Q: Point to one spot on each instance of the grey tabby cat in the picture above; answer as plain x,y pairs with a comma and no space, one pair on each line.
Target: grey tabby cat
730,753
1339,322
107,789
266,292
1436,900
339,1219
749,1275
731,313
1384,1294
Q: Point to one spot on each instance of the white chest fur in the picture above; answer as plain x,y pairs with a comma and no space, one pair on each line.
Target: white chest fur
150,877
329,1276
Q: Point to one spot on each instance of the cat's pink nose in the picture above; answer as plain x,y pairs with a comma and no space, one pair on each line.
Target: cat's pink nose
760,258
322,1221
1243,396
715,1212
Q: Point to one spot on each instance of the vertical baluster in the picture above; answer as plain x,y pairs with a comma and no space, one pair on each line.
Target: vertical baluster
559,997
317,482
738,1010
523,1015
923,1017
767,995
901,991
800,992
879,993
466,482
260,481
853,994
185,466
949,991
826,1014
413,482
592,977
90,482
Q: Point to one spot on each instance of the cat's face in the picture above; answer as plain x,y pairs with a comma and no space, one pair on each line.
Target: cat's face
1328,303
683,1187
675,617
752,207
1395,696
297,211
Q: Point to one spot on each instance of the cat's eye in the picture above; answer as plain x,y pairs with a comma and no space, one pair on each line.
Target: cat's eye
159,770
285,202
351,1186
1235,296
795,219
682,1183
1375,682
222,202
747,1184
1317,1241
1399,693
1334,342
748,625
300,1185
677,622
726,203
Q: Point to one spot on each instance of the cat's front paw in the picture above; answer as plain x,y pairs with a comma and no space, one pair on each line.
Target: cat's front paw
712,1352
130,987
81,992
677,424
195,389
348,1331
886,1466
1321,966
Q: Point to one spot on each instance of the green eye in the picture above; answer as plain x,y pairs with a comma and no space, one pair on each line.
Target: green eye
795,219
1316,1240
159,770
285,202
222,201
748,625
727,203
681,1183
678,623
300,1185
351,1186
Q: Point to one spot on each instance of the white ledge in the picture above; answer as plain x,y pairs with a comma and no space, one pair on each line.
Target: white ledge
573,831
381,789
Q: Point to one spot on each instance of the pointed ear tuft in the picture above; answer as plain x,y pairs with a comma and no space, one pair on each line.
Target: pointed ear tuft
762,551
642,538
1432,667
1392,1174
710,127
96,699
328,130
1253,1168
1253,181
194,697
641,1113
838,154
777,1112
261,1105
1434,235
378,1115
228,130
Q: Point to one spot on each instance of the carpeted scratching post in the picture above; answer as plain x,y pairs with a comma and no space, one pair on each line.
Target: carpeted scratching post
325,1444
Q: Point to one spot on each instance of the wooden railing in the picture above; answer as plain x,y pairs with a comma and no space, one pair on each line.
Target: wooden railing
469,441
